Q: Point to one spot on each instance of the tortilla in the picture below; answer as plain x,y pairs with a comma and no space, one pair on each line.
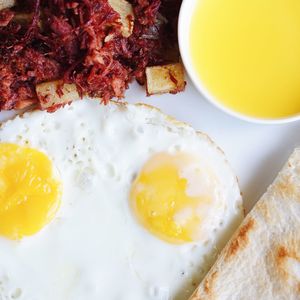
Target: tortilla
262,259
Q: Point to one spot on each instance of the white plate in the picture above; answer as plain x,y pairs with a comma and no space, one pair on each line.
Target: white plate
256,152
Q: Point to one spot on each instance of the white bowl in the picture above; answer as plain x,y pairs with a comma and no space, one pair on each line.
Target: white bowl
184,22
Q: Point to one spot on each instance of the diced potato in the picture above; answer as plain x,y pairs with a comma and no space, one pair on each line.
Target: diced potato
25,104
125,11
7,4
26,18
165,79
48,96
23,18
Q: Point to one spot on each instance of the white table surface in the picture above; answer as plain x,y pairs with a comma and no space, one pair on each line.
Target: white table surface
255,152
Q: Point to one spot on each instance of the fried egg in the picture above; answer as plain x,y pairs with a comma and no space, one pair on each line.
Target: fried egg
115,202
29,192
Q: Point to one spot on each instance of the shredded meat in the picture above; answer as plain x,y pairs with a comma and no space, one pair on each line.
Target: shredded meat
6,16
81,42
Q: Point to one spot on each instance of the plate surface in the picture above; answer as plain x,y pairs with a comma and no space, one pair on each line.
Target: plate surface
255,152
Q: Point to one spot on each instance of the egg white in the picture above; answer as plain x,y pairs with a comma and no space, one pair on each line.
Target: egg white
95,248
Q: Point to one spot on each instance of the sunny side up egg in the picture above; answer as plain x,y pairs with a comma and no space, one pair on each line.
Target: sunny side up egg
110,202
29,192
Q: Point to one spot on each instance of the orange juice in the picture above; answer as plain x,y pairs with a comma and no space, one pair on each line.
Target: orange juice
247,54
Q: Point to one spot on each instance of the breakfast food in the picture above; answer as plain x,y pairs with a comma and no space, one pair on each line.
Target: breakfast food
165,79
7,3
246,55
27,182
94,47
125,10
132,204
55,93
262,260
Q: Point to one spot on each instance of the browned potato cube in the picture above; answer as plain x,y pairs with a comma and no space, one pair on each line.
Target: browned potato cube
48,95
165,79
125,11
7,4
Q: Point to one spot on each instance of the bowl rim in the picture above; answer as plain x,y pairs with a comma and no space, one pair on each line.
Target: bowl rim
185,13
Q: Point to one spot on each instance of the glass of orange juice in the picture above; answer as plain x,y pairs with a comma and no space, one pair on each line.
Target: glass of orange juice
244,56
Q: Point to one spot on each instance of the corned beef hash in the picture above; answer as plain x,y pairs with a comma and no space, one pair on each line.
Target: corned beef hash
53,51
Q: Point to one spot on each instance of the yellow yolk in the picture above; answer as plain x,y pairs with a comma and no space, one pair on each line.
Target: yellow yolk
160,201
29,192
247,54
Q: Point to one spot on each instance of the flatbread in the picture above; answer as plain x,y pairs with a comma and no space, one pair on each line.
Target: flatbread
262,259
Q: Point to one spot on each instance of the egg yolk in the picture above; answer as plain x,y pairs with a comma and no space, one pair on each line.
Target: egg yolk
160,200
29,192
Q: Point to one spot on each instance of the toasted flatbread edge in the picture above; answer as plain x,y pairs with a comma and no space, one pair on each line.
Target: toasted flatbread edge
260,260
